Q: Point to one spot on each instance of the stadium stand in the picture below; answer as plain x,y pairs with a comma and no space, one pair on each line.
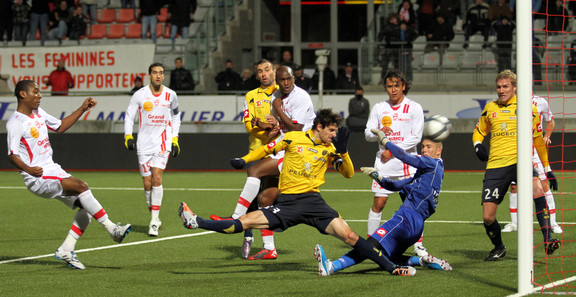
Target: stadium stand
97,31
116,31
107,16
126,15
134,30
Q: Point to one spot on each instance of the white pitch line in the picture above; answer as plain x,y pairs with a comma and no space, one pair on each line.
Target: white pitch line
111,246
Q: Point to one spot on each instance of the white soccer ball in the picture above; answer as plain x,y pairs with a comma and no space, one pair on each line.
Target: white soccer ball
437,128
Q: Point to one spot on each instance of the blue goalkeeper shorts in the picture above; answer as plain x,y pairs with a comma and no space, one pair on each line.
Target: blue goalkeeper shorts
400,232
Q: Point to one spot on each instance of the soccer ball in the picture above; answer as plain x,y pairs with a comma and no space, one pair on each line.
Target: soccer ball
437,128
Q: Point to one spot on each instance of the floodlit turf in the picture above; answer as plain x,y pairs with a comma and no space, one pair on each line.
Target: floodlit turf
209,264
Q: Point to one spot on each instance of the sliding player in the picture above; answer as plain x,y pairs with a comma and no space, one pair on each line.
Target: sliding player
420,198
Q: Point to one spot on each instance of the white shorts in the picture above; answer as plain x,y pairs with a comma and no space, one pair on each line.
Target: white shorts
49,185
147,161
381,192
280,157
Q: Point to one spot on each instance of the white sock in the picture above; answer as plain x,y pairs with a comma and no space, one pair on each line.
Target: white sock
268,239
93,207
156,201
419,242
373,221
250,191
148,200
79,225
551,208
514,208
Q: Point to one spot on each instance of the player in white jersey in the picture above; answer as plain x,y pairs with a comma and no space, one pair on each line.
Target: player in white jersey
547,116
292,111
402,120
159,122
29,150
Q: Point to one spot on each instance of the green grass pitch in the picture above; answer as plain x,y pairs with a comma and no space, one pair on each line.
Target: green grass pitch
182,262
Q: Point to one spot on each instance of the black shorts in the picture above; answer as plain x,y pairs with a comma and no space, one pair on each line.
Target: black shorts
497,181
293,209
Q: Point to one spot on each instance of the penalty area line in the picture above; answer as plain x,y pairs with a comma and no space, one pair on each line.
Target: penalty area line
110,246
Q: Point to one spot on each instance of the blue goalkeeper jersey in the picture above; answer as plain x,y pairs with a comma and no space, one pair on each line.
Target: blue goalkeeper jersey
421,191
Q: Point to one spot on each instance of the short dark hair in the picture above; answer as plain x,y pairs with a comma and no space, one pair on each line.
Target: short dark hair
326,117
265,61
155,64
22,85
177,59
396,73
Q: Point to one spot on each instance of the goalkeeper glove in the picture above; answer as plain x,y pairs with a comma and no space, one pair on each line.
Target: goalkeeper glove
481,152
372,172
551,179
382,139
341,140
129,142
175,147
238,163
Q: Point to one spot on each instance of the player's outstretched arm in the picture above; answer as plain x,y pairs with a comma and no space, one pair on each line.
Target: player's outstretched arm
396,151
70,120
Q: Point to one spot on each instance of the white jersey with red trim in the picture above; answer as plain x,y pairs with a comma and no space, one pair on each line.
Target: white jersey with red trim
298,107
546,115
159,119
28,137
407,123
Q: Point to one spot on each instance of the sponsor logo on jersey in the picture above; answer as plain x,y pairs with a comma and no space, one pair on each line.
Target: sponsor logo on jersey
148,106
381,232
271,144
494,114
34,132
307,167
505,111
312,150
259,103
246,113
156,102
387,121
299,149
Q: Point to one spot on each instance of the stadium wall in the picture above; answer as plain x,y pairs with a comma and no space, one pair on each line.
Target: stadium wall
203,151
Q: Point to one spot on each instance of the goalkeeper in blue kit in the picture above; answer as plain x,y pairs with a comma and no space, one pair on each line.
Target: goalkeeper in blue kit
420,198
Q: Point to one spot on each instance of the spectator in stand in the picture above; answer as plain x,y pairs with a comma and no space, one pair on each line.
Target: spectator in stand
302,80
498,10
329,79
348,80
90,7
426,12
391,51
538,50
181,78
287,59
557,17
128,3
358,111
58,22
536,6
21,18
6,22
405,36
60,79
249,81
149,10
39,19
439,36
180,13
450,9
477,21
138,84
406,14
504,34
228,80
77,24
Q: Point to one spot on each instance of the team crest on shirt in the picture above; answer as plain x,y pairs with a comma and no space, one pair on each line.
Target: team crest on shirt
34,132
381,232
147,106
387,121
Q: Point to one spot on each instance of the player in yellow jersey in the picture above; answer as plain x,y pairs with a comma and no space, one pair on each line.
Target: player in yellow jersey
256,110
499,120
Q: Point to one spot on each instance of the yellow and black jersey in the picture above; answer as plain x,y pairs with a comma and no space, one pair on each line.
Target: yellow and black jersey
257,105
501,122
305,161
